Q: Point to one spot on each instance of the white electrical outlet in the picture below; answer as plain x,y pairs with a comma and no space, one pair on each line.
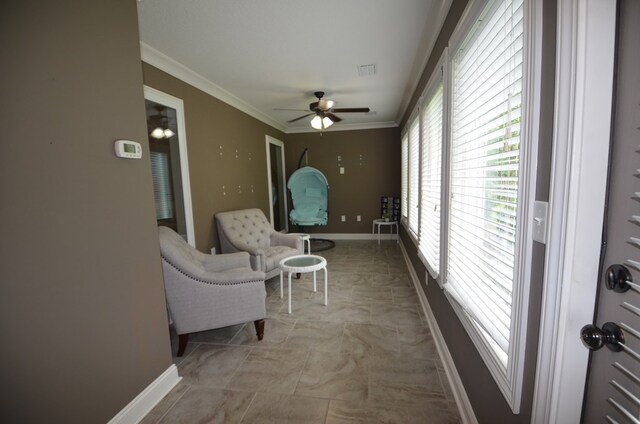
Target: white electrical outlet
342,169
358,218
213,250
343,218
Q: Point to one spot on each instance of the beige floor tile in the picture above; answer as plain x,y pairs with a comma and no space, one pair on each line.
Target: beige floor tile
417,342
321,336
365,339
268,408
405,296
207,405
348,311
212,365
343,412
372,294
269,370
394,379
390,314
276,331
334,376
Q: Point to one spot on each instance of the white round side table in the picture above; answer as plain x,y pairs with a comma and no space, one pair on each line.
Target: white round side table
377,223
303,263
306,238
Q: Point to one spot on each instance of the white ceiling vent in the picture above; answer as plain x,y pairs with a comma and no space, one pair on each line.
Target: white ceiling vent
364,70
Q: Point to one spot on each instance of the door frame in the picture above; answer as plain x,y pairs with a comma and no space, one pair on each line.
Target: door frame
270,140
168,100
582,125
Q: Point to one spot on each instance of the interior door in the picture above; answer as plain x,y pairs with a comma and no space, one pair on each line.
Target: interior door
613,385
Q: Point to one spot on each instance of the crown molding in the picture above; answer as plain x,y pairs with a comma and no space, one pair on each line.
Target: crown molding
172,67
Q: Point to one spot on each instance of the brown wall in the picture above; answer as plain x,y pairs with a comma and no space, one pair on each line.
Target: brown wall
487,401
83,322
240,165
371,160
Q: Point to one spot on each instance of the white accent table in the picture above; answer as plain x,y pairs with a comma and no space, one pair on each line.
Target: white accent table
377,223
303,263
306,238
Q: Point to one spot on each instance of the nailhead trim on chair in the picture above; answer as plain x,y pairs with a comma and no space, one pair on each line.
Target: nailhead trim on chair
207,282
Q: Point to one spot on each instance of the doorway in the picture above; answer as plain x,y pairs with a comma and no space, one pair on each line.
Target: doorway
277,184
169,165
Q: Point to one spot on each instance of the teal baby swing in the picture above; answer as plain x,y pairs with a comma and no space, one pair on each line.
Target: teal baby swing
309,193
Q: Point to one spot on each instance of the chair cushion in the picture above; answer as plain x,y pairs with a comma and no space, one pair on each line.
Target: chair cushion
273,255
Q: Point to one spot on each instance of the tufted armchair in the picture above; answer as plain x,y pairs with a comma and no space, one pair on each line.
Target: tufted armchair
249,231
209,291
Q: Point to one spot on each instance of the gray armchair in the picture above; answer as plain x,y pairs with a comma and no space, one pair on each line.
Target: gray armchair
209,291
249,231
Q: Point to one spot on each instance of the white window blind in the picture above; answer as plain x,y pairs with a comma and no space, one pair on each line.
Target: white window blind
431,179
405,175
485,160
414,175
161,179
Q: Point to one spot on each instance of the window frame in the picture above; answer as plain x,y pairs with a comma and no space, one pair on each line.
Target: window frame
439,76
509,381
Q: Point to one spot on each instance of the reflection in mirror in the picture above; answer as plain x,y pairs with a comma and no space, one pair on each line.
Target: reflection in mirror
167,154
277,184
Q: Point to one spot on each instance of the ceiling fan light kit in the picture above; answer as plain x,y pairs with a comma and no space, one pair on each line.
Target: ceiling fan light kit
321,123
160,133
324,110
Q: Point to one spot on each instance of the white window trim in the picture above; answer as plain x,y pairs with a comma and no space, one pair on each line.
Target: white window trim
510,382
415,115
165,99
439,75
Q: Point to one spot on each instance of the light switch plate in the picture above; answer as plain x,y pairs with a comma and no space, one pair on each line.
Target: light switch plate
342,169
540,221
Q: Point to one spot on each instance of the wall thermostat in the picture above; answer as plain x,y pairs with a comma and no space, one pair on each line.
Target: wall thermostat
128,149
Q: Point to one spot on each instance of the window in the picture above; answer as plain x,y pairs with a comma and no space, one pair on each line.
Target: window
161,179
414,175
431,178
405,175
484,248
473,138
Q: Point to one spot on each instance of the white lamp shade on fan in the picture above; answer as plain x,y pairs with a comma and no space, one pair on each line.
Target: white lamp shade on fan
319,123
160,133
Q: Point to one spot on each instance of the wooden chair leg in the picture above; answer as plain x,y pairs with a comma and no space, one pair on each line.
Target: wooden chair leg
183,339
259,328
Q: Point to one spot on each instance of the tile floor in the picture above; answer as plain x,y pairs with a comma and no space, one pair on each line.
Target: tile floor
367,357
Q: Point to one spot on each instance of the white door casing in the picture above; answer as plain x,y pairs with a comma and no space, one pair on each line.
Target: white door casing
584,86
165,99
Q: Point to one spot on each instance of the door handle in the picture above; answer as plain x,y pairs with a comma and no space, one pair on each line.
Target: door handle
617,277
610,335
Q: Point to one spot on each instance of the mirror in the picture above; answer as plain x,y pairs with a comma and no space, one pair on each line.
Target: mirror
169,165
277,184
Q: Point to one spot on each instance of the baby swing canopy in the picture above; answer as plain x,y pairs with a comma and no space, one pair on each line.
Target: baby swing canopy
309,190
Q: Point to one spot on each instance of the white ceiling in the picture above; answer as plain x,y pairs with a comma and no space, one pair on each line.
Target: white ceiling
260,55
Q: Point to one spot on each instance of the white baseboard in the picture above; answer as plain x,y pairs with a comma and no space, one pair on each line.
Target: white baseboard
459,394
140,406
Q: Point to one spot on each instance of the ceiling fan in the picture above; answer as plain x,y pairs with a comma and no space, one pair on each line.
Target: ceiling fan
325,112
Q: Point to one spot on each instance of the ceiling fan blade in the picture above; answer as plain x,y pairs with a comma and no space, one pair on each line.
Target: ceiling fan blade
333,117
290,110
351,109
300,117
